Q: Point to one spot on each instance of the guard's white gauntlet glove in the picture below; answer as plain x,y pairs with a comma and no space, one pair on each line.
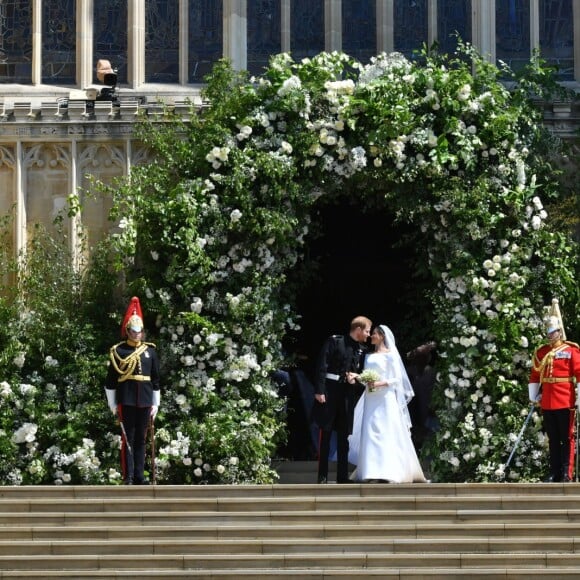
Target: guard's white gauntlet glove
112,400
534,391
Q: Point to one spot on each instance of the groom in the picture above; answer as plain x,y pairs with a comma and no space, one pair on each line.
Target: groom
335,397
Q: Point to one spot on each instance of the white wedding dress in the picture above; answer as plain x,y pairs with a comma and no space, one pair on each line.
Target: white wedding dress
380,445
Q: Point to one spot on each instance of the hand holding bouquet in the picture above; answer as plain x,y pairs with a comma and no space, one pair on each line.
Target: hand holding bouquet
368,377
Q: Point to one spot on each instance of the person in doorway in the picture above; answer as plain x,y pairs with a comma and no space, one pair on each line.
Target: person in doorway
380,445
133,392
555,370
334,395
422,375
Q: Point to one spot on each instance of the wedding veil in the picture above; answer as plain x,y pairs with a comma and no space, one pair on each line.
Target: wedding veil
403,389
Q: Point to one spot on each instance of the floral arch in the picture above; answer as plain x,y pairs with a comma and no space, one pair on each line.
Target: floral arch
211,231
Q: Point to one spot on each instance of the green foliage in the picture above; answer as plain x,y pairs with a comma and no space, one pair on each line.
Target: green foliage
211,228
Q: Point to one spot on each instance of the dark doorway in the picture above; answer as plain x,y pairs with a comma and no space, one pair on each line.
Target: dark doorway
360,267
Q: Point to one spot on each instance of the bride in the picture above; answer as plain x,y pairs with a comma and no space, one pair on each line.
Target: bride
380,444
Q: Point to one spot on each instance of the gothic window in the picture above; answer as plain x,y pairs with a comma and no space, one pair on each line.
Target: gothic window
307,28
110,34
162,41
453,22
557,35
205,37
359,29
15,41
512,31
264,33
410,26
59,42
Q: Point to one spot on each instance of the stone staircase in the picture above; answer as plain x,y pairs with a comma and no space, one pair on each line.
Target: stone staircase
291,530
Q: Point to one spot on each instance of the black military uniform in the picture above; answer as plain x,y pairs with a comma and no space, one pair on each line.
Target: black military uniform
339,355
133,392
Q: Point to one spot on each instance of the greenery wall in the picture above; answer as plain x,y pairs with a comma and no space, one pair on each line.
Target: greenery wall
212,232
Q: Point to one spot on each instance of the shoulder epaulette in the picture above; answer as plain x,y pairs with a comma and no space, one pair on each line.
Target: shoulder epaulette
569,342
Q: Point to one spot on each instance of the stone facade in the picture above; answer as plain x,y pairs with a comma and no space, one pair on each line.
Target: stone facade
50,143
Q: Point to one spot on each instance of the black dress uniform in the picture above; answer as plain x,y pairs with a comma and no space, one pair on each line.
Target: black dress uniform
134,377
339,355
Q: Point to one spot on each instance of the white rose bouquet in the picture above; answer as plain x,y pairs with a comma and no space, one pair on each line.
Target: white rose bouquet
367,377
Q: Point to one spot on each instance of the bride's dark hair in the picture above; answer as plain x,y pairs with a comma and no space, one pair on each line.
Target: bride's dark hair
381,333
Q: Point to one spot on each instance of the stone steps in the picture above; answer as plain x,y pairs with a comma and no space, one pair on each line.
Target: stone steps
286,530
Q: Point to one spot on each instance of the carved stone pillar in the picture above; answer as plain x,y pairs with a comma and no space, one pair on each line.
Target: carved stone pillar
84,51
136,43
332,25
385,26
483,25
236,33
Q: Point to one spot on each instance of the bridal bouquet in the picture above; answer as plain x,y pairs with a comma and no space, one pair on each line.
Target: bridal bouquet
369,376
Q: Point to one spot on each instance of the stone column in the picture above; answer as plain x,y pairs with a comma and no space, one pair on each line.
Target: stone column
183,42
576,16
431,22
236,33
285,25
84,37
483,26
36,42
534,25
385,26
332,25
136,43
75,220
20,216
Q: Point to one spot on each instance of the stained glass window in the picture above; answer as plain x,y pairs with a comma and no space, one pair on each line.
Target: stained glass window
359,29
205,37
264,33
15,41
162,41
453,22
59,42
512,32
410,26
110,34
557,35
306,28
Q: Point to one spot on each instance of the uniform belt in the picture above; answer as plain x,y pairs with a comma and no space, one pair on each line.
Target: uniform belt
557,380
333,377
134,378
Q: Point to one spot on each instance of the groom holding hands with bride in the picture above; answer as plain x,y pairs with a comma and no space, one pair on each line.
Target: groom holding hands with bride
375,435
380,445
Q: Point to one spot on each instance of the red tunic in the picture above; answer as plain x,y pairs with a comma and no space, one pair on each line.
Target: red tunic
555,369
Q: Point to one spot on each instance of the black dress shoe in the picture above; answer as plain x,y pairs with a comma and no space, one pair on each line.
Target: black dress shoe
566,479
322,479
141,482
128,481
552,479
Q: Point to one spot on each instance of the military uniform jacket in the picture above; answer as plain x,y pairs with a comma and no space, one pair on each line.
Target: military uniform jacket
339,355
556,369
133,373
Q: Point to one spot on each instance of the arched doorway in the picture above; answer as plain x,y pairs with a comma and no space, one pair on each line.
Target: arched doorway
359,263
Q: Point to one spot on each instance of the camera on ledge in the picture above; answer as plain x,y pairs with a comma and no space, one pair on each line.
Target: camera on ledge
105,92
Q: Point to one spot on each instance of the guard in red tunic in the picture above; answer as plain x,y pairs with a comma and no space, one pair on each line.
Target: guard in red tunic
555,372
133,393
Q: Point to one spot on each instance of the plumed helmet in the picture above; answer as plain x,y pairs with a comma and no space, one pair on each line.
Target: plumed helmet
133,319
554,320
